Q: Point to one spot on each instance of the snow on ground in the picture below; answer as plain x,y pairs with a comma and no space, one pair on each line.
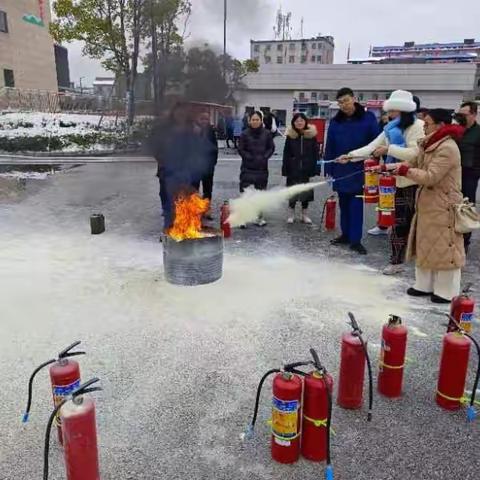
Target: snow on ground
18,124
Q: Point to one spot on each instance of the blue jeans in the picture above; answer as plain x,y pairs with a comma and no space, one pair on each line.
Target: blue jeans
351,216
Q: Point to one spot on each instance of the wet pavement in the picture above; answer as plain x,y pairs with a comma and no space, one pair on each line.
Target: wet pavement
179,366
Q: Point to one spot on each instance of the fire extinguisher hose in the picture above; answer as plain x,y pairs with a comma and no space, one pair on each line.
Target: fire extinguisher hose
66,353
471,414
81,390
358,333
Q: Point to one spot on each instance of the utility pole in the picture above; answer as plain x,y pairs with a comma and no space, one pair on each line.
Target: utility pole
225,39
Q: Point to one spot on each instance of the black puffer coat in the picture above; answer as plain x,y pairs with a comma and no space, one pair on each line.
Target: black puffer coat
301,153
256,147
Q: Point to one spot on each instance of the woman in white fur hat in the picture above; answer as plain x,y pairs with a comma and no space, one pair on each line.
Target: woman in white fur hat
398,141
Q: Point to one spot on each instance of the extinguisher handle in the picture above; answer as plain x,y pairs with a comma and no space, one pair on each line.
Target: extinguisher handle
73,354
85,387
316,359
291,366
65,353
467,288
353,323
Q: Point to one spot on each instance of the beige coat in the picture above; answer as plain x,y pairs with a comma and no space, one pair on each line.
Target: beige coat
433,241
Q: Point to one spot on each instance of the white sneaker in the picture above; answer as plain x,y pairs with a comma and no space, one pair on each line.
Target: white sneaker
306,219
291,216
393,270
378,231
260,222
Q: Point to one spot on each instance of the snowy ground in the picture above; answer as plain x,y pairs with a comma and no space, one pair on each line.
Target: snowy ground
179,366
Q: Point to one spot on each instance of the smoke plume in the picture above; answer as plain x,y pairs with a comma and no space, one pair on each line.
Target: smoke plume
253,202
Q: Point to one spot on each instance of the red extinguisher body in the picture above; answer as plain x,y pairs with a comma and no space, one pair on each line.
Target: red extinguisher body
386,201
462,310
224,225
65,378
392,360
286,417
453,371
352,372
80,439
315,413
331,213
370,191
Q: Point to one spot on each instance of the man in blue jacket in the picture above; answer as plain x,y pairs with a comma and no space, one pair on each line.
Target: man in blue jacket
350,129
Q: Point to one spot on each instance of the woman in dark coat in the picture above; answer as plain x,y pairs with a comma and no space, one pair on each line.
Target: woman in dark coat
300,157
255,147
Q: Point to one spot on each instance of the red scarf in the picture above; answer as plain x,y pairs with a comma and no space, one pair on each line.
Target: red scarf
454,131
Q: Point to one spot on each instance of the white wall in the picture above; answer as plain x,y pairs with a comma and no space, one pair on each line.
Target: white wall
276,100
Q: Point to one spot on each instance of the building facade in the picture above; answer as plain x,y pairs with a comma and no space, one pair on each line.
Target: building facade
318,50
410,52
27,58
312,89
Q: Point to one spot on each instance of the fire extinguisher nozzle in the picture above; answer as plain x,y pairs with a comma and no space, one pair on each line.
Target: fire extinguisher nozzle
25,417
329,472
471,414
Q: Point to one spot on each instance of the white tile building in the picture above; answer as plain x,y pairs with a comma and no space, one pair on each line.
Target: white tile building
278,87
318,50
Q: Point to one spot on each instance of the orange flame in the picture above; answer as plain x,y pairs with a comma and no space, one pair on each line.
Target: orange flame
188,217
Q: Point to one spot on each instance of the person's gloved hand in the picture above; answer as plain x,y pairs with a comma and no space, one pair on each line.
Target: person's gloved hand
402,170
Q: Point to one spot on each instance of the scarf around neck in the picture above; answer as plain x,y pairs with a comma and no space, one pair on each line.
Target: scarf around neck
394,135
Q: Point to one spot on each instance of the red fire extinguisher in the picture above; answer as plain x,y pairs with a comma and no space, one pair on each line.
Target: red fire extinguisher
64,377
354,354
386,200
224,215
462,310
79,434
392,357
453,370
329,212
370,192
317,413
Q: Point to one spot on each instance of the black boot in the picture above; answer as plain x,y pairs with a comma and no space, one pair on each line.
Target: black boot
413,292
341,240
436,299
359,248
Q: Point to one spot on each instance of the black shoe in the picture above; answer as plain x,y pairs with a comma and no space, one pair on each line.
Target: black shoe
413,292
359,248
341,240
436,299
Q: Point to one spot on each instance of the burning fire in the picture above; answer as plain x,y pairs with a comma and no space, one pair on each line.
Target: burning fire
189,209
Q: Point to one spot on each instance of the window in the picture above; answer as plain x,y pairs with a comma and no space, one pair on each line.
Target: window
314,46
8,78
313,58
279,59
375,96
325,96
361,96
319,58
292,46
280,47
304,46
256,48
268,59
302,96
291,59
268,47
314,96
3,22
304,59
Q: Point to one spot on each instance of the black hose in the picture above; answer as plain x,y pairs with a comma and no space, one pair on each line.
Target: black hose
259,391
46,449
357,332
329,417
477,375
30,387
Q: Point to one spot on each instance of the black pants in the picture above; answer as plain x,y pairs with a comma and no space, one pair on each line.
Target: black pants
207,185
404,211
470,179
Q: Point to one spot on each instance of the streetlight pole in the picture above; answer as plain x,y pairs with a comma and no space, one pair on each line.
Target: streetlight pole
225,39
81,87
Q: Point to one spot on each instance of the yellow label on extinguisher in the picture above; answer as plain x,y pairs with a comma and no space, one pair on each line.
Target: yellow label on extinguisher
285,418
371,179
387,198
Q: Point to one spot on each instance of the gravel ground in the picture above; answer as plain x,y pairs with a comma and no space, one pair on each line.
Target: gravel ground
179,366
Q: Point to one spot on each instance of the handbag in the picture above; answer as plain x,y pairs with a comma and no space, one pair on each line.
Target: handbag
467,218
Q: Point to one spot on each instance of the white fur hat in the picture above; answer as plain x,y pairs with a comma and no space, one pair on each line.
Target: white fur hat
400,100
